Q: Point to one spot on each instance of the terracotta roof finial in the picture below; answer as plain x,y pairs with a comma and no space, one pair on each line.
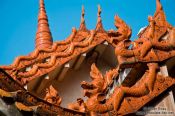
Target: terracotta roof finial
82,24
159,15
43,35
99,26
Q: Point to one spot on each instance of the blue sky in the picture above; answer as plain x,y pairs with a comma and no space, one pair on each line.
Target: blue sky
18,20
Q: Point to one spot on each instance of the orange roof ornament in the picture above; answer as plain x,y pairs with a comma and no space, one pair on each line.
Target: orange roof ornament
82,24
154,51
43,35
159,11
99,26
160,16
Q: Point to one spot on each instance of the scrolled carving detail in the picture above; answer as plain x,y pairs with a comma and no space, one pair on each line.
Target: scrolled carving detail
96,91
52,96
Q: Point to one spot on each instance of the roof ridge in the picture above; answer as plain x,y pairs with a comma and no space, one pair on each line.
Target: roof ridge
69,52
35,53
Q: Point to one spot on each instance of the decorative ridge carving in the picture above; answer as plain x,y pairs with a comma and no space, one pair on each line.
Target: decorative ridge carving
96,91
99,25
25,77
35,54
37,51
17,64
52,62
82,24
43,35
157,43
52,96
152,44
123,31
160,16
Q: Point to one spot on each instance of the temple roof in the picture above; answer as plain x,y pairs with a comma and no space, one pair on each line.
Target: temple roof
155,39
43,60
48,56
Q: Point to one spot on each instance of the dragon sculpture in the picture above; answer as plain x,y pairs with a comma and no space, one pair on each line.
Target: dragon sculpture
123,31
150,48
96,91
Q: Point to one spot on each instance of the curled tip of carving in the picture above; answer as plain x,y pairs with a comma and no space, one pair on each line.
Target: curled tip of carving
159,15
158,5
117,18
118,21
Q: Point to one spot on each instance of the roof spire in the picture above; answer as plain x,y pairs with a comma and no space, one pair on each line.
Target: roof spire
99,26
43,35
82,24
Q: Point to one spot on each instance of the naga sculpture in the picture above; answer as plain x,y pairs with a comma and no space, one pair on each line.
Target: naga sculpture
97,90
157,38
153,39
143,89
123,31
106,97
52,96
146,44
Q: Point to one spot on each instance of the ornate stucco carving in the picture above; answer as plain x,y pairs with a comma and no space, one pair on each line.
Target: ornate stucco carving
52,96
155,44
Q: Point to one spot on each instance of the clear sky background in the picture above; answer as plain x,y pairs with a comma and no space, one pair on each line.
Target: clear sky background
18,20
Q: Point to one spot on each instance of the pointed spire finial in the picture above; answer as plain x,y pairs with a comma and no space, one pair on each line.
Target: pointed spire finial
99,26
82,24
99,11
83,12
43,35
